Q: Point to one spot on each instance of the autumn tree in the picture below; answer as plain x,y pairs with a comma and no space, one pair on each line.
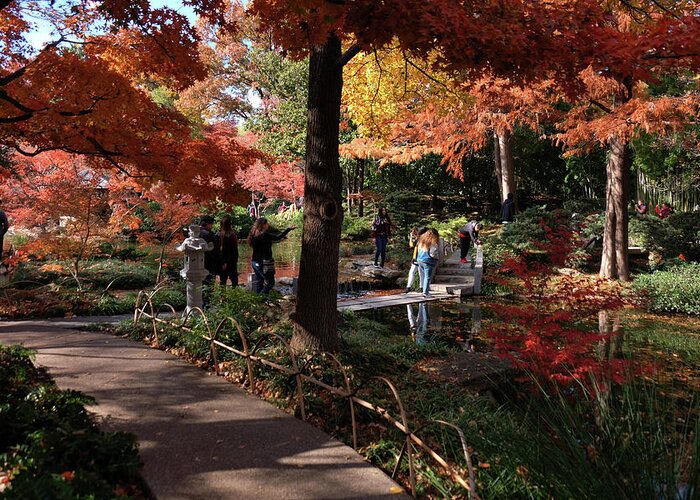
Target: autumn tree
512,39
87,91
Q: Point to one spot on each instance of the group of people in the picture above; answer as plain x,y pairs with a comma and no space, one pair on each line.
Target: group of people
222,260
425,245
663,211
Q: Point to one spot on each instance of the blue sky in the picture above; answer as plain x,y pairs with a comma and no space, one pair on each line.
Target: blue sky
43,33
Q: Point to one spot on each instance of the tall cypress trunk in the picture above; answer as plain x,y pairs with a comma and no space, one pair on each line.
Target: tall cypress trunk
614,262
316,317
361,186
497,165
507,171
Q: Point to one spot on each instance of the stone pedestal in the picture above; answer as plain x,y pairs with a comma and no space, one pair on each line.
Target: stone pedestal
193,271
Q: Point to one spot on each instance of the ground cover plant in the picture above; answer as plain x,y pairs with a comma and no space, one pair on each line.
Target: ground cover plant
674,289
46,288
51,447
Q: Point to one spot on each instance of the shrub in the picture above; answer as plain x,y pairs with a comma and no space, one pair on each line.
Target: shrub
675,289
357,228
50,446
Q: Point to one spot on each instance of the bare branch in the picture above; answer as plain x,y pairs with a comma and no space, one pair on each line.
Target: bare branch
600,106
352,51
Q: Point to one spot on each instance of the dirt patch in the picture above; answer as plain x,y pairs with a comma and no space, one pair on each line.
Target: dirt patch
475,369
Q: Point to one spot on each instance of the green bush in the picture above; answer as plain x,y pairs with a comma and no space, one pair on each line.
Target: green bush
49,443
675,289
357,228
282,222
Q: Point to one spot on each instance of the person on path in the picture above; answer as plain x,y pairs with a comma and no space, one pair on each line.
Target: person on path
4,226
641,208
664,211
508,209
413,237
260,240
469,233
227,248
381,230
428,257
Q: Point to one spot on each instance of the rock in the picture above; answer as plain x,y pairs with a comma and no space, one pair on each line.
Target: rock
381,273
286,281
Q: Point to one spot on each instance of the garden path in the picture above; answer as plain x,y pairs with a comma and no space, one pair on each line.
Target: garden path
199,436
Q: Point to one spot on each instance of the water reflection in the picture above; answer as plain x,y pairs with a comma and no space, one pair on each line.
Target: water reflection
457,322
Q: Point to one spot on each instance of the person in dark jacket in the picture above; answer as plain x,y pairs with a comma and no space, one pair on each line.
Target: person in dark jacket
261,239
211,258
4,226
381,230
469,233
508,209
227,248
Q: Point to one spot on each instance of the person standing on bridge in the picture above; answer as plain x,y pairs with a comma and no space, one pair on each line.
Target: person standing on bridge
428,257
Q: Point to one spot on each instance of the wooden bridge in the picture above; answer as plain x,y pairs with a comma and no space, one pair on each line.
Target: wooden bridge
452,279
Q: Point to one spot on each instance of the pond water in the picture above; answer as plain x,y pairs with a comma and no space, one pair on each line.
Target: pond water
668,346
287,254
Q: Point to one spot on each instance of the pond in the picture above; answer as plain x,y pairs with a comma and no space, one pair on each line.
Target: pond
287,254
667,346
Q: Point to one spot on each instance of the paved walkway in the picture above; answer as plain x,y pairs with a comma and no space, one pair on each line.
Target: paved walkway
199,436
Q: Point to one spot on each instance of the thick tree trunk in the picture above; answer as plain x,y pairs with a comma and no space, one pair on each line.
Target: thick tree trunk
614,262
507,171
316,317
497,165
361,187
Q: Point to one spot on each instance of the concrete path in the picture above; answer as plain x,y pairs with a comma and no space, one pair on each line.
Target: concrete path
199,436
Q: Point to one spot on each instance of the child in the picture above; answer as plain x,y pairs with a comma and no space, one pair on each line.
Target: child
413,237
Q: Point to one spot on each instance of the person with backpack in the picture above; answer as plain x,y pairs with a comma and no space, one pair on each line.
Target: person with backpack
469,233
4,226
226,242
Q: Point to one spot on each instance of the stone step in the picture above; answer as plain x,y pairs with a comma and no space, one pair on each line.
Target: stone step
465,280
451,289
453,272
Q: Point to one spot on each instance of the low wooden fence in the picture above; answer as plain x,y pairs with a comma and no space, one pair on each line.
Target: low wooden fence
301,373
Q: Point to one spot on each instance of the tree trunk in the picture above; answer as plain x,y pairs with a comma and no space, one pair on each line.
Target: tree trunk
316,317
497,165
507,171
615,241
361,187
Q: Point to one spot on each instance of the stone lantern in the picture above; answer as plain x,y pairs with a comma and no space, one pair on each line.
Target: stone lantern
194,271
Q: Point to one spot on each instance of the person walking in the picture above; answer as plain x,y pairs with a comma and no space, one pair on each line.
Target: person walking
413,237
508,209
469,233
428,257
260,240
227,248
4,226
381,231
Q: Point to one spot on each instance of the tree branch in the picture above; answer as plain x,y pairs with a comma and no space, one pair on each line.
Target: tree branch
600,105
352,51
